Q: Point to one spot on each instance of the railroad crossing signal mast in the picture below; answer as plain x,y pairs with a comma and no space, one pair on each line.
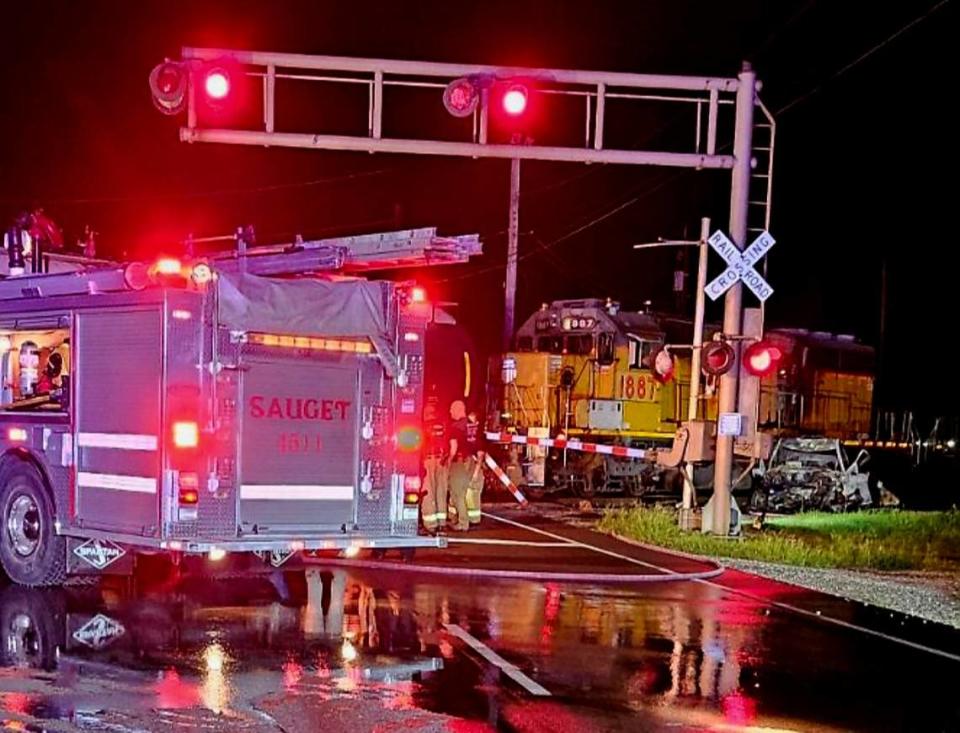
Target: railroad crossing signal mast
484,96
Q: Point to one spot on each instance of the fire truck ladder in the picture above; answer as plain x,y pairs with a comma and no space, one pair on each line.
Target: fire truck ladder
86,282
351,255
357,254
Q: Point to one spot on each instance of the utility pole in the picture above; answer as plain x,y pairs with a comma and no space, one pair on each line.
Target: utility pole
733,303
698,315
513,234
693,404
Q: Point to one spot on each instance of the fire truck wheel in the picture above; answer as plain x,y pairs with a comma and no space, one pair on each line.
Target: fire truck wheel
32,627
31,552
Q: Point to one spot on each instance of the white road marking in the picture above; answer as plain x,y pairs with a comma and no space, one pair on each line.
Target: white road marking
511,670
776,604
567,541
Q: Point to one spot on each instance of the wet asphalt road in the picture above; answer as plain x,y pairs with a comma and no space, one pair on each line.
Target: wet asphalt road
404,648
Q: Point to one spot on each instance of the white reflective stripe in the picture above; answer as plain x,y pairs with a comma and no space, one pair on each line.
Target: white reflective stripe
117,482
124,441
296,492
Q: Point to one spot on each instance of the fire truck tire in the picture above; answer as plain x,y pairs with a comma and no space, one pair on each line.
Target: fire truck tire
32,627
31,552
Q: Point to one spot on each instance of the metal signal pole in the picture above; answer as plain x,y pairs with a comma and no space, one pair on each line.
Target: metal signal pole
733,304
513,234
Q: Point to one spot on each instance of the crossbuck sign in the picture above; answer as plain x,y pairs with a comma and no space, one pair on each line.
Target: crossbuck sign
740,265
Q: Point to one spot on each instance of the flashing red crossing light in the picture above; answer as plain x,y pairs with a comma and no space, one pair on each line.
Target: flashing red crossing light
717,358
168,85
213,82
508,98
664,366
216,84
461,97
762,359
514,100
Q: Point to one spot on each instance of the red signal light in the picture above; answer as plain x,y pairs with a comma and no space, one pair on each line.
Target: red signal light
461,97
168,86
418,295
663,366
514,100
761,359
718,358
217,84
169,79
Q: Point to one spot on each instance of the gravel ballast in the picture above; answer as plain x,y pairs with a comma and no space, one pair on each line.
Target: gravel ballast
933,596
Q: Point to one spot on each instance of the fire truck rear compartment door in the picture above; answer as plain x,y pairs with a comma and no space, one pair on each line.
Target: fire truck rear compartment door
299,447
118,369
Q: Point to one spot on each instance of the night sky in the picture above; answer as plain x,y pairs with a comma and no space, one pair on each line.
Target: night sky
862,176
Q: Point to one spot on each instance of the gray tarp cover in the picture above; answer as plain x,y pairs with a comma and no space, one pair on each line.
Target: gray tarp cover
351,308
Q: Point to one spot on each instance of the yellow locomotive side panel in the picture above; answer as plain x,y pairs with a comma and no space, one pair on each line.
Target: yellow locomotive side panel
528,395
646,401
841,404
650,408
605,381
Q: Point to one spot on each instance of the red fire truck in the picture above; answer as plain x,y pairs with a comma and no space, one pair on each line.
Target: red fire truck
225,405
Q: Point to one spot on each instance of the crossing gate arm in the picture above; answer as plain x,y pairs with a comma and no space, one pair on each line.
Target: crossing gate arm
619,451
505,480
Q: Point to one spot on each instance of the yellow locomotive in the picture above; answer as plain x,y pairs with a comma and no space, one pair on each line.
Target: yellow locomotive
584,368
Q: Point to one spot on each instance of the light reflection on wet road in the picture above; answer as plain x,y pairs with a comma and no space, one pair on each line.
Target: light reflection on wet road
357,651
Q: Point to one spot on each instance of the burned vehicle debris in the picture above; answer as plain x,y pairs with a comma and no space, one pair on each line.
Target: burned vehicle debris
811,474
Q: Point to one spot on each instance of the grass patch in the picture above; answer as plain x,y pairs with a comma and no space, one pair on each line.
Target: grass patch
877,540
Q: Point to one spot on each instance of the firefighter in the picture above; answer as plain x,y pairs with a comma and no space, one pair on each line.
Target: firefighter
462,464
475,487
51,374
433,507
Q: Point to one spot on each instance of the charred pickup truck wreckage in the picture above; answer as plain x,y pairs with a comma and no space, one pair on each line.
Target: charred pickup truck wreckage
811,473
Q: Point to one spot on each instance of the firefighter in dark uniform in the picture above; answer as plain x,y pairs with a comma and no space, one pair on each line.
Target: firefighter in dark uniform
462,462
433,507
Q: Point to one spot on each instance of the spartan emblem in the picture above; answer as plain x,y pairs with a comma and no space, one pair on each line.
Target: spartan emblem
99,631
99,553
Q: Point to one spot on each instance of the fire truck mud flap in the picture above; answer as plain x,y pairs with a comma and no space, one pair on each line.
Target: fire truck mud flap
299,447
